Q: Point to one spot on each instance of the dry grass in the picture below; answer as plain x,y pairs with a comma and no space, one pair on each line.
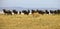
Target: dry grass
30,22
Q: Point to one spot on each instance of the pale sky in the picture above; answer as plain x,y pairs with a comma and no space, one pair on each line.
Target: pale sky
30,3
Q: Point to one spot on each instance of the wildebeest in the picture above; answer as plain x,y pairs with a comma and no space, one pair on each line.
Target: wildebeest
7,12
41,12
58,11
26,12
55,11
19,12
34,11
15,12
51,11
46,11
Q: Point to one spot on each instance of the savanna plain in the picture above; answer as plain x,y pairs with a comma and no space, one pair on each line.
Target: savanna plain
35,21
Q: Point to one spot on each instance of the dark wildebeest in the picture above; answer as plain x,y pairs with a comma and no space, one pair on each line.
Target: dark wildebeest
41,12
34,11
51,11
54,12
46,11
7,12
26,12
15,12
19,12
58,11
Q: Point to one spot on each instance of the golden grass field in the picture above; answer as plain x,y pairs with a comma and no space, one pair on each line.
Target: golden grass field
30,21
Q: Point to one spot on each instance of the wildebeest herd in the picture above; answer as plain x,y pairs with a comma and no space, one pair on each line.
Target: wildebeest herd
27,12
